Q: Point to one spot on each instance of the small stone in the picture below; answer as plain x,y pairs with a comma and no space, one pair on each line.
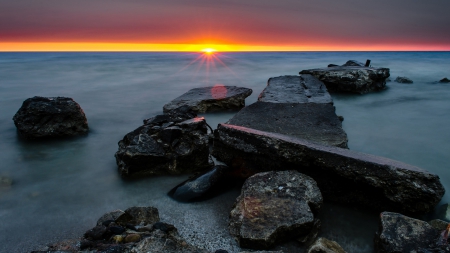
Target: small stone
132,238
323,245
165,227
403,79
117,238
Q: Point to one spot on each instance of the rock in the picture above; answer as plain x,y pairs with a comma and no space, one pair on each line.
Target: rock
110,216
401,79
351,77
97,233
342,175
353,63
116,230
399,233
218,97
312,236
439,224
444,80
274,207
202,186
323,245
132,238
50,117
332,65
166,228
443,212
118,238
262,251
141,215
160,147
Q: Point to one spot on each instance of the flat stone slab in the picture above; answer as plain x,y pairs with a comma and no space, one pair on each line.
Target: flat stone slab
273,207
342,175
310,121
354,79
295,89
213,98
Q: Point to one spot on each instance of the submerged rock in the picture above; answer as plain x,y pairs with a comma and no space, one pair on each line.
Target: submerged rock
203,186
342,175
399,233
351,77
162,146
403,79
323,245
274,207
41,117
213,98
444,80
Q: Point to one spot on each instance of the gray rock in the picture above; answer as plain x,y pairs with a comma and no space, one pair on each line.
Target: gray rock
274,207
342,175
110,216
41,117
353,63
444,80
403,79
295,89
310,121
143,215
323,245
439,224
354,79
212,98
161,147
399,233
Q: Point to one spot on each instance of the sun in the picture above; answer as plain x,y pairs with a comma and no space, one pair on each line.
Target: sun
209,50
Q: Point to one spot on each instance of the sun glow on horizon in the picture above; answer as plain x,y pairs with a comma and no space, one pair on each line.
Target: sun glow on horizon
209,50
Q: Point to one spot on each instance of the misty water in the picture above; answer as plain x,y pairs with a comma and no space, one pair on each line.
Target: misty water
61,187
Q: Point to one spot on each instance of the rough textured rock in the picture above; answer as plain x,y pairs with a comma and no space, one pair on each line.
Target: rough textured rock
399,233
402,79
212,98
310,121
438,224
444,80
323,245
274,207
50,117
342,175
203,186
356,79
163,146
110,216
353,63
141,215
295,89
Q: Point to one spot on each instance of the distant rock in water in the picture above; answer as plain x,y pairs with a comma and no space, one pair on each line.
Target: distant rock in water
444,80
403,79
202,186
213,98
41,117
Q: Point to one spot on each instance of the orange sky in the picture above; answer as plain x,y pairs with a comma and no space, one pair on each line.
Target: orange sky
226,25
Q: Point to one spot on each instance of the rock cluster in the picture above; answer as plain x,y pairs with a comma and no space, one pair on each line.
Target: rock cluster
41,117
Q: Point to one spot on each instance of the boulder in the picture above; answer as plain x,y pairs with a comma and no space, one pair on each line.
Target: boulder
274,207
444,80
351,77
342,175
142,215
110,216
353,63
403,79
214,98
41,117
203,186
323,245
399,233
163,145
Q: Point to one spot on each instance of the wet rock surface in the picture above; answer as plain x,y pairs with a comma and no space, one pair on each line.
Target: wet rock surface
399,233
323,245
203,186
342,175
403,79
274,207
164,145
351,77
212,98
41,117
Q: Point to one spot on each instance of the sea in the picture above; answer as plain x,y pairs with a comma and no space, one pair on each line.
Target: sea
61,187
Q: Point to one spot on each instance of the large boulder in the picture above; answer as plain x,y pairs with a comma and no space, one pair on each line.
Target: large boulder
297,106
164,145
342,175
50,117
399,233
274,207
351,77
212,98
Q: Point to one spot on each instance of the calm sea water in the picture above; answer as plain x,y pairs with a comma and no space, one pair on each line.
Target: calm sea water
61,187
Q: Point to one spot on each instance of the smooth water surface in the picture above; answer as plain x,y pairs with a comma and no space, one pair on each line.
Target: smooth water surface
61,187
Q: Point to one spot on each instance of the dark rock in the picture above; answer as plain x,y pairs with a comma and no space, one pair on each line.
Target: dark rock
323,245
312,236
342,175
402,79
332,65
214,98
444,80
220,251
351,78
146,228
443,212
295,89
143,215
110,216
262,251
50,117
165,227
86,244
274,207
353,63
116,230
161,147
97,233
203,186
114,249
399,233
439,224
